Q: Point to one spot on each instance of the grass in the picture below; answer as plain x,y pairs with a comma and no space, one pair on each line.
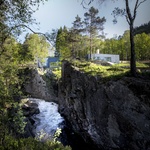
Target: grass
105,72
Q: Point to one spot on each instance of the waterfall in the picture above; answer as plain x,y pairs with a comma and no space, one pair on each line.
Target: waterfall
47,121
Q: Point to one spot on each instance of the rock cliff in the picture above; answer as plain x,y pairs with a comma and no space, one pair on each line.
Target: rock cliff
39,88
110,115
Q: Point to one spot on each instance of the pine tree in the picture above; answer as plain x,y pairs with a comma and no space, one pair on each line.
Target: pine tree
93,24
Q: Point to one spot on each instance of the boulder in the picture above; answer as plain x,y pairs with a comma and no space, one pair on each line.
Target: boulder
29,109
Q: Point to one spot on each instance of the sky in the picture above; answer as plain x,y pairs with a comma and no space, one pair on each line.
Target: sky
57,13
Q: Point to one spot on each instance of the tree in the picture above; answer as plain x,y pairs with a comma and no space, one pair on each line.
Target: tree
15,17
130,17
142,28
126,41
63,44
75,35
9,65
142,46
58,42
93,24
37,47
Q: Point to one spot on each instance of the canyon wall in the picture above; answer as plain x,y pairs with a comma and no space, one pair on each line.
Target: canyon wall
110,115
40,86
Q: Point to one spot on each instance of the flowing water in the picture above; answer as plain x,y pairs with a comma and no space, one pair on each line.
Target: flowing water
47,121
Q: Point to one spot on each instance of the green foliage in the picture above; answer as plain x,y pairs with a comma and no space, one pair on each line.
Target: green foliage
76,37
9,66
83,38
145,28
15,15
142,46
12,120
104,72
93,25
10,143
57,134
57,73
63,44
12,124
36,47
121,46
140,64
16,118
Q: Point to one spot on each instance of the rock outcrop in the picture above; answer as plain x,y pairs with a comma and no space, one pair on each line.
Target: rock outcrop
37,87
110,115
29,109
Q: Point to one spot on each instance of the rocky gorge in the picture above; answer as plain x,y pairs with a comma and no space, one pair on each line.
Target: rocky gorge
100,115
109,115
35,87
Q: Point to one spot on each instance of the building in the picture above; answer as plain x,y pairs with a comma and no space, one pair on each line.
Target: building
51,62
105,57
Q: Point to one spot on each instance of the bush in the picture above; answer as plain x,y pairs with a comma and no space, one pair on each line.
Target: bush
10,143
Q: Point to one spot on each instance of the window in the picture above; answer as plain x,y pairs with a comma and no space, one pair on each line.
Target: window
108,59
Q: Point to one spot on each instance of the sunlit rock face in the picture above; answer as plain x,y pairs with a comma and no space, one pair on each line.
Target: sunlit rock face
37,87
112,114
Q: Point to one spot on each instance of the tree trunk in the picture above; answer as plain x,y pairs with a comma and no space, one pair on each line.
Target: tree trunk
90,47
133,57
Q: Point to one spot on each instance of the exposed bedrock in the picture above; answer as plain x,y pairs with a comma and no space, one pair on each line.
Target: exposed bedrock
112,114
39,88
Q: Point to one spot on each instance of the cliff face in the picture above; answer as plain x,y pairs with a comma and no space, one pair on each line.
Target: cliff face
111,115
37,87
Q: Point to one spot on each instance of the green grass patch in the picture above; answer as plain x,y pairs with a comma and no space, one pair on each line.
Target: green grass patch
105,72
141,65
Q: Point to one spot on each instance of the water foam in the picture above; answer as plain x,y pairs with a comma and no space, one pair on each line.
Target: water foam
48,120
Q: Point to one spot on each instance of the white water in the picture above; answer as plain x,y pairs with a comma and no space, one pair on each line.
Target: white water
48,120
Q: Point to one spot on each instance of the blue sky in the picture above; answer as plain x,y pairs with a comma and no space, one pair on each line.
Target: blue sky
56,13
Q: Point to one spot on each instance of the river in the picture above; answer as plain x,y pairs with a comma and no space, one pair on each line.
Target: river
47,121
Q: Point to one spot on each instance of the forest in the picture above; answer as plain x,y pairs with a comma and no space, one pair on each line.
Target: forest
117,45
85,37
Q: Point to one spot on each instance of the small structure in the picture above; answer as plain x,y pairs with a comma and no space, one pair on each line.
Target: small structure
51,62
105,57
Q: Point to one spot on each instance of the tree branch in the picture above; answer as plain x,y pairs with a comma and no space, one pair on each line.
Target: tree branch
136,7
128,11
141,3
83,3
127,19
23,25
17,26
